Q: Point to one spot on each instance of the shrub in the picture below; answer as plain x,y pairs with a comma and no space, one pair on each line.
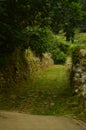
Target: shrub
75,53
38,39
63,47
59,42
58,56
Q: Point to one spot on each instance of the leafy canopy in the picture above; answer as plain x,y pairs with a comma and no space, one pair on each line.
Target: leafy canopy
18,15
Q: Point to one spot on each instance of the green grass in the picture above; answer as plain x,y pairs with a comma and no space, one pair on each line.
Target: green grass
49,94
50,89
80,38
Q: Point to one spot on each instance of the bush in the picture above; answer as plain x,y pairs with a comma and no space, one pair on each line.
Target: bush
59,42
75,53
63,46
38,39
58,56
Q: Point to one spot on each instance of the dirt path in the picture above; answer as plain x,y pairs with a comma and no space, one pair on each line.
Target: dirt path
18,121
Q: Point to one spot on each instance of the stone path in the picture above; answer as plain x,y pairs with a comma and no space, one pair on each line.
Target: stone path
19,121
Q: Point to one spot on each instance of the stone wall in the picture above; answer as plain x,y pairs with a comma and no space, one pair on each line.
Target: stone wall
79,74
36,63
21,68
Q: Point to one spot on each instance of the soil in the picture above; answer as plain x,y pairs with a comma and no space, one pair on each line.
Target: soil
20,121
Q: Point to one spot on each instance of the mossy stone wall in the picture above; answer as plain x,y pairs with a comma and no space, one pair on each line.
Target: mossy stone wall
20,70
79,74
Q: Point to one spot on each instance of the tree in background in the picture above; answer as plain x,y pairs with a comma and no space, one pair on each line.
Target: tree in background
18,15
67,16
83,24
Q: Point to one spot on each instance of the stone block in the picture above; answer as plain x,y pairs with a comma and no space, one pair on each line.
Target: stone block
82,53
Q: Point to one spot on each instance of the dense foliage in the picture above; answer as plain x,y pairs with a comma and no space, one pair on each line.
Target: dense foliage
83,25
67,15
75,50
58,56
18,15
75,54
38,39
59,49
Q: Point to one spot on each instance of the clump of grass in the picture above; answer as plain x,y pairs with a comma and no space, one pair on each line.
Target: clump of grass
49,94
46,95
80,38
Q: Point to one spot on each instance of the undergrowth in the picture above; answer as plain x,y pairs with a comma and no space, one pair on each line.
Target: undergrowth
49,94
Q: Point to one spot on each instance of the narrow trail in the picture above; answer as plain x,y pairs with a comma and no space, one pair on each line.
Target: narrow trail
48,96
18,121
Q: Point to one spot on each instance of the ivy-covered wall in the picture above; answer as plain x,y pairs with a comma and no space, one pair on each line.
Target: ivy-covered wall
79,73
